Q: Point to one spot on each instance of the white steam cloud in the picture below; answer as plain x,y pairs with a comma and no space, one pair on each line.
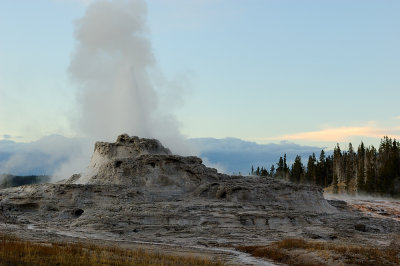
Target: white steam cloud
111,67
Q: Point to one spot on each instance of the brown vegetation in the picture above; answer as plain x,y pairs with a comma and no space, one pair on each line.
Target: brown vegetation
302,252
14,251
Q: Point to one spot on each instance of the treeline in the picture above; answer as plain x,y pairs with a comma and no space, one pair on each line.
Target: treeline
367,169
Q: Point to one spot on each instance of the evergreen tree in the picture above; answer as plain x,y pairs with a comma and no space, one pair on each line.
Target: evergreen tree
311,170
297,171
285,166
386,166
396,158
369,170
361,167
280,165
337,165
314,158
264,172
349,162
272,171
370,182
280,170
321,170
329,170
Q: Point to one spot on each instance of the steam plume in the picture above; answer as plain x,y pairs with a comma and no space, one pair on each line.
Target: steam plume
111,67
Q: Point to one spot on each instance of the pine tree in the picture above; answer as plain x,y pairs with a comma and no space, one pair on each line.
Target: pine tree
369,170
285,167
396,158
329,170
370,182
349,172
321,170
297,171
386,166
361,167
314,158
272,171
280,165
311,170
280,170
337,163
264,171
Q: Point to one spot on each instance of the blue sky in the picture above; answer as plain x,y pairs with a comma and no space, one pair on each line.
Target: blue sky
311,72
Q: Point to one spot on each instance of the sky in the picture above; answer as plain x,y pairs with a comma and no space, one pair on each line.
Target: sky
306,71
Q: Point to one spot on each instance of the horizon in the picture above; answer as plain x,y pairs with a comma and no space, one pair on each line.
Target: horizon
61,157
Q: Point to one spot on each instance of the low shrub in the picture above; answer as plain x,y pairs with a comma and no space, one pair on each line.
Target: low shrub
14,251
287,251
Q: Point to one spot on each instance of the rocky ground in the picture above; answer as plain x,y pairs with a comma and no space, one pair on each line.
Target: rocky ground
136,192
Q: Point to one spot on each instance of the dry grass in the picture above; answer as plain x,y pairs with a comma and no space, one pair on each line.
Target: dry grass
288,251
14,251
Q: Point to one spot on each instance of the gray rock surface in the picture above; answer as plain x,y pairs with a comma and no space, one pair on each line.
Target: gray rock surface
136,190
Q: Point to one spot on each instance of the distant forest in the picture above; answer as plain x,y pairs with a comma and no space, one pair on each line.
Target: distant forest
366,170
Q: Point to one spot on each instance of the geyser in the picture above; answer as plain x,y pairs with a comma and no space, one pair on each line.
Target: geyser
111,66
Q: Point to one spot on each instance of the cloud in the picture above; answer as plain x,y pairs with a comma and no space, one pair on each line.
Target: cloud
340,134
46,156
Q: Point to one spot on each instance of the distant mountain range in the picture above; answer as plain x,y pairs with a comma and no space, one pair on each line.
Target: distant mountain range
229,155
235,155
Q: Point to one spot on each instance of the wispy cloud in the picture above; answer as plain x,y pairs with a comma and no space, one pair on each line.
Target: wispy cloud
340,134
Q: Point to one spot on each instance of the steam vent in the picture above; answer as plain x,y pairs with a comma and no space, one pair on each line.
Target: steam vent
135,190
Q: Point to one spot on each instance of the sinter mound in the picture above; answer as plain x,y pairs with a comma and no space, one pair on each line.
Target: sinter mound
146,164
136,190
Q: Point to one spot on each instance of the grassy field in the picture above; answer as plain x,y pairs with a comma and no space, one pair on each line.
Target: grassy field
301,252
14,251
